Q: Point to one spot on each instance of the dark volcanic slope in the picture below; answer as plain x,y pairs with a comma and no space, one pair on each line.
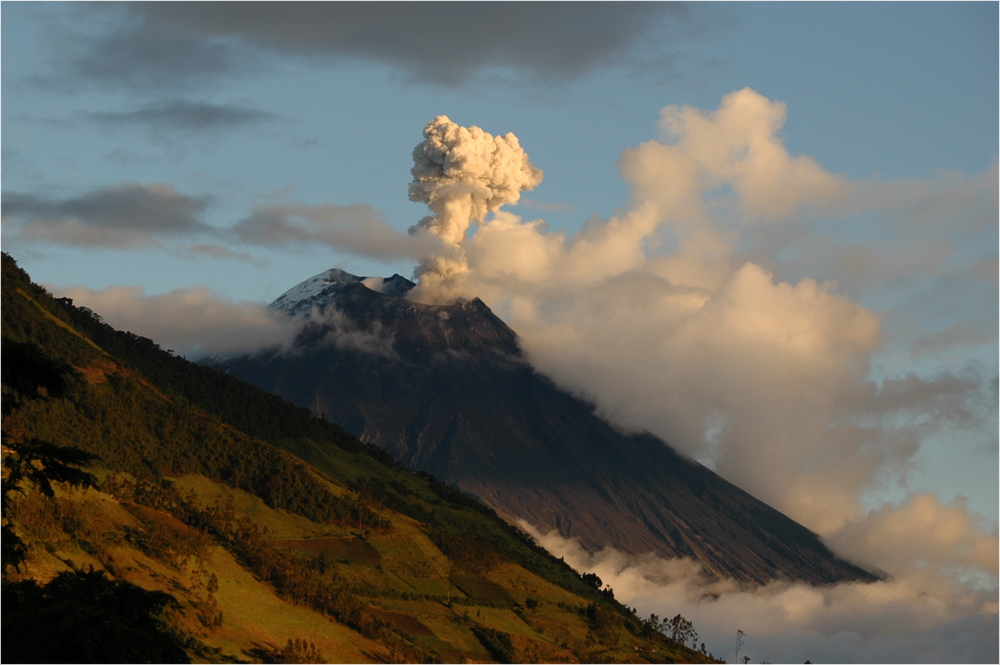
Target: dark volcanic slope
445,389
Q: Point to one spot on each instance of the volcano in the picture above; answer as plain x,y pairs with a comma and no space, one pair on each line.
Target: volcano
446,389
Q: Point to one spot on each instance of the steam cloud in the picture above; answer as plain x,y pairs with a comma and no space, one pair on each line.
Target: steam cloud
462,174
664,319
655,316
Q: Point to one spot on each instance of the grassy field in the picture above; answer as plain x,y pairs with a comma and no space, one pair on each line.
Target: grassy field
233,614
296,548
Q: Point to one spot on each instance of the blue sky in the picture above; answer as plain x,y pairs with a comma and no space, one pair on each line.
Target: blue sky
138,138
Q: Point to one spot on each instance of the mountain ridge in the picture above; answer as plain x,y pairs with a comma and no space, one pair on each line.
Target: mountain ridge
457,398
264,528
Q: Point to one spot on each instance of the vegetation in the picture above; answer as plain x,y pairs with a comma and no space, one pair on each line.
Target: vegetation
78,616
497,643
214,522
84,617
299,651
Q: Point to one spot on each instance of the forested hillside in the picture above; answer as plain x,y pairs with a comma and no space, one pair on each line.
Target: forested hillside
216,522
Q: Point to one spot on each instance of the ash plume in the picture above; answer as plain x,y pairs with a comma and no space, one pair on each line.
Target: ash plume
462,174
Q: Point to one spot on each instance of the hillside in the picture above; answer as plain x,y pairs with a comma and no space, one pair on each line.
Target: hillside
446,389
276,537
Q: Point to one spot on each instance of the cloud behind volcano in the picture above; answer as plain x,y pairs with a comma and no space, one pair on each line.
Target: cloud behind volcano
660,317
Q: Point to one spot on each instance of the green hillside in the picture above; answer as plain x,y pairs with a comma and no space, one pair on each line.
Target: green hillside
223,524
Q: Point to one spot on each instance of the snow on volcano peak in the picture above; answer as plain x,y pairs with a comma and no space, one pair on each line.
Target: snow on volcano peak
311,291
312,287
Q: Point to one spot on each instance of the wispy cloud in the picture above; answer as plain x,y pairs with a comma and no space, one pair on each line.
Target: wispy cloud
130,215
184,115
214,251
954,337
124,216
357,228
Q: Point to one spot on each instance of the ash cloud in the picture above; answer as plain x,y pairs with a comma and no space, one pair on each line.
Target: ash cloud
462,174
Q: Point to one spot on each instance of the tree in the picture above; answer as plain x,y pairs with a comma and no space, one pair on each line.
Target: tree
28,374
681,630
593,580
497,643
298,651
81,617
42,463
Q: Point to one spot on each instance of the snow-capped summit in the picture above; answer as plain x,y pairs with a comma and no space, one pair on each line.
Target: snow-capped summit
322,289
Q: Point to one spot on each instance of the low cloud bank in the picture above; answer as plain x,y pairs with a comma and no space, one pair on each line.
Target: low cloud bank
916,616
192,322
923,534
196,322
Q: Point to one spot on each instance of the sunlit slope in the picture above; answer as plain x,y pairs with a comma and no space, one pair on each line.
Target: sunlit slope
317,549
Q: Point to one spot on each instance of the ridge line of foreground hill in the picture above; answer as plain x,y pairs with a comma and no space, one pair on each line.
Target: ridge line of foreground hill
270,535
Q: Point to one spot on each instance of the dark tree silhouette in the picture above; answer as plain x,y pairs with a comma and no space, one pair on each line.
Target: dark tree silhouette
84,617
682,630
42,463
28,374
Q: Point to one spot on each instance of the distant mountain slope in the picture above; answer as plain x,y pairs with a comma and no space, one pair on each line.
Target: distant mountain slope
280,538
446,389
